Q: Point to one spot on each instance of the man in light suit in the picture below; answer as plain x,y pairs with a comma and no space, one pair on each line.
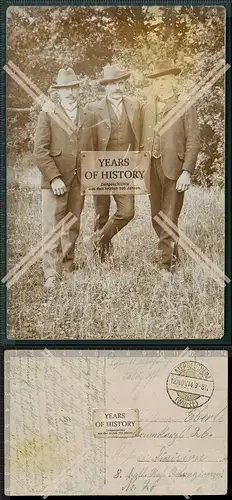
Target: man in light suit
117,129
57,155
173,157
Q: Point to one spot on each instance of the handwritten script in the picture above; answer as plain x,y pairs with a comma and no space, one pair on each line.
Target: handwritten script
70,419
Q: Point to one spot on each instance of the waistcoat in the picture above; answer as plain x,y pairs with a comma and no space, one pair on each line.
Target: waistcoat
121,132
156,148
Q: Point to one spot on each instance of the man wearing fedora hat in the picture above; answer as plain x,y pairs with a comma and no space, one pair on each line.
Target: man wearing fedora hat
174,151
117,129
61,134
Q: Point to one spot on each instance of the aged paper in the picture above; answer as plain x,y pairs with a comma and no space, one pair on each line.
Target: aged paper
124,172
142,255
178,399
116,423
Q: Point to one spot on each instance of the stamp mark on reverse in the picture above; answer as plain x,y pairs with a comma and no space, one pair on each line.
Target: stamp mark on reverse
190,384
116,423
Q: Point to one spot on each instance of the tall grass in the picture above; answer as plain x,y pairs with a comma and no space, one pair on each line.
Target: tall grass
124,298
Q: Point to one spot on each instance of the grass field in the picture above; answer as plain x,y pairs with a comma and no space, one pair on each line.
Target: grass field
124,298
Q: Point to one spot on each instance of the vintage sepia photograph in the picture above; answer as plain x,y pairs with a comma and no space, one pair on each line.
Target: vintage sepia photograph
90,425
115,139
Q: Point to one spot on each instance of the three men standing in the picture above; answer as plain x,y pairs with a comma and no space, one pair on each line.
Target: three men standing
114,124
174,147
117,129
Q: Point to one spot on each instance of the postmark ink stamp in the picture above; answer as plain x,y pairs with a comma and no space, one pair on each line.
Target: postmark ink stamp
190,384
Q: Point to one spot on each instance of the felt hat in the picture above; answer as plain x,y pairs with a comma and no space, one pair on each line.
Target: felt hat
165,68
66,78
113,72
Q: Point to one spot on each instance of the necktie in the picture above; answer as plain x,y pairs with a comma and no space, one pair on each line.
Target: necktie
117,106
71,111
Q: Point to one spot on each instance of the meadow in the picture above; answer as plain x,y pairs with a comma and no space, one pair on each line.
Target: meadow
124,298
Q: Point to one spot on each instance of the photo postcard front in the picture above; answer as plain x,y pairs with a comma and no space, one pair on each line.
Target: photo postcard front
116,140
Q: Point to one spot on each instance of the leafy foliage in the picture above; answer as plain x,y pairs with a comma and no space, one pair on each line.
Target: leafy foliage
41,40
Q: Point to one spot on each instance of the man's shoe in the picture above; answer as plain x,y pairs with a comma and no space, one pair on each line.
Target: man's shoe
50,283
94,239
157,257
164,273
68,268
110,248
68,274
104,251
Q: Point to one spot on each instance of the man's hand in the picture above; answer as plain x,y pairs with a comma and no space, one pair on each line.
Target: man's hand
183,182
58,186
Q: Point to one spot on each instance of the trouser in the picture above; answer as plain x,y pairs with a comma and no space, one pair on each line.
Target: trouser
164,197
110,226
54,209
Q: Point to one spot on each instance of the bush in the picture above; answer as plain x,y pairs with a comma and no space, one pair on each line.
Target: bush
135,37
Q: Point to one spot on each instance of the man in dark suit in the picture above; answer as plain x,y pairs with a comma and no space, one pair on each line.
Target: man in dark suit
173,152
117,129
57,155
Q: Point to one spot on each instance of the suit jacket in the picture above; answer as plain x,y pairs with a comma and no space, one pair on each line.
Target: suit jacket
56,153
180,143
103,123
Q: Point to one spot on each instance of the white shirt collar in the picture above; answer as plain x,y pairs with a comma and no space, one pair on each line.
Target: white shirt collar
116,102
71,111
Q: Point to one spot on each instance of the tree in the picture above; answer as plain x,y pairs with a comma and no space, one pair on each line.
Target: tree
40,40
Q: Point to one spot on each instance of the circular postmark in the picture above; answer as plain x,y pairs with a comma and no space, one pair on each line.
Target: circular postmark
190,384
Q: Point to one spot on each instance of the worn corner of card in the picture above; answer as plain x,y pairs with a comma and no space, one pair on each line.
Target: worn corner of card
115,422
